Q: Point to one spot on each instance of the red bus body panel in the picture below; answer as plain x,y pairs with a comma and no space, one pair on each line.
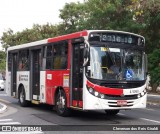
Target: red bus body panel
57,75
105,90
68,36
55,82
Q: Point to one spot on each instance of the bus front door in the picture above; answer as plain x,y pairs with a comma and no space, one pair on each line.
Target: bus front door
77,75
35,74
14,74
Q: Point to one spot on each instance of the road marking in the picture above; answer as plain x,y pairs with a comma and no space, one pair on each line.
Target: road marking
150,109
3,95
5,119
10,123
5,101
150,120
120,114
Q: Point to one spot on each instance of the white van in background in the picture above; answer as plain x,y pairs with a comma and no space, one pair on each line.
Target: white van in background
2,83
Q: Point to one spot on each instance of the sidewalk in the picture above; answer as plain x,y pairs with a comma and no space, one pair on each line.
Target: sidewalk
3,108
153,99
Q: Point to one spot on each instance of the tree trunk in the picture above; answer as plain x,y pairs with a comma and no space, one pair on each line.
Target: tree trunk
154,87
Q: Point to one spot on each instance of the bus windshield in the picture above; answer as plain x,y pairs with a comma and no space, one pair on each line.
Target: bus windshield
116,64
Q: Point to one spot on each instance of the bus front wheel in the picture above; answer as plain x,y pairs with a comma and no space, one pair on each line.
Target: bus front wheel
112,112
61,104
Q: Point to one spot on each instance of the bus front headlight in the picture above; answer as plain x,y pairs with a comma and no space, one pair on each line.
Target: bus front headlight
102,96
95,93
142,93
91,90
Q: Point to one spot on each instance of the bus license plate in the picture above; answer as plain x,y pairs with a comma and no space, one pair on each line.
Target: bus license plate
121,102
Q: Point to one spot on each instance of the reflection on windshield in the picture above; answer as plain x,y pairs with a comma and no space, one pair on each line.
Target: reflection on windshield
115,64
134,65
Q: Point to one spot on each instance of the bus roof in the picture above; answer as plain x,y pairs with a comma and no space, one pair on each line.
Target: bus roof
49,40
65,37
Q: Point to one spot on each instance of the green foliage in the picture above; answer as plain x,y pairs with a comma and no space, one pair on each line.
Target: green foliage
154,66
73,17
37,32
107,14
150,19
2,61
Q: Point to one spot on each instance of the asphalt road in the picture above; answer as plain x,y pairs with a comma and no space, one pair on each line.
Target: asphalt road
93,122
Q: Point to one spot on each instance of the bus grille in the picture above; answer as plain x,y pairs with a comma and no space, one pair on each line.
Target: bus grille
122,85
118,97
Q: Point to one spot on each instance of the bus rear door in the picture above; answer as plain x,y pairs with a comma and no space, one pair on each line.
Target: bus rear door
35,75
14,74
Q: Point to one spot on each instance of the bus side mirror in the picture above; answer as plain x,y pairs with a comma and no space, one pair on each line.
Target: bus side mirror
86,56
86,53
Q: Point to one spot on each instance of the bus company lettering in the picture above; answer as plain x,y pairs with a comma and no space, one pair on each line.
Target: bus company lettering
23,77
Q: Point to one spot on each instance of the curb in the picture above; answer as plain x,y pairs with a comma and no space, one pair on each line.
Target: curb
153,103
154,95
3,109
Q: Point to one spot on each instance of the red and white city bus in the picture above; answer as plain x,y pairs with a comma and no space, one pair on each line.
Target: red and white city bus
87,70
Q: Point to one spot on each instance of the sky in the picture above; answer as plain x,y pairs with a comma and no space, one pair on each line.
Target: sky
21,14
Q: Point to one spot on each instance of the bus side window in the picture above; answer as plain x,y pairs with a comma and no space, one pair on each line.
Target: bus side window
43,64
23,63
9,61
49,57
60,55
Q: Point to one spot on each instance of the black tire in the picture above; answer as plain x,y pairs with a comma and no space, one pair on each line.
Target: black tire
112,112
61,104
22,97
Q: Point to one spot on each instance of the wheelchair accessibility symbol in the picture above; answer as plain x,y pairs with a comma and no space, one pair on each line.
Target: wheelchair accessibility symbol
129,74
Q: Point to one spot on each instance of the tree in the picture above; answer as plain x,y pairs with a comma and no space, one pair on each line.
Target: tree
8,39
74,16
37,32
112,14
154,67
2,61
147,12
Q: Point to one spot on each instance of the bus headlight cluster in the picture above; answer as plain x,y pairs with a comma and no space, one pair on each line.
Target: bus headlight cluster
91,90
142,93
95,93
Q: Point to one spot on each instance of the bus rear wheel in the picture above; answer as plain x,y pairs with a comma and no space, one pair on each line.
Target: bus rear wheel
112,112
61,104
22,97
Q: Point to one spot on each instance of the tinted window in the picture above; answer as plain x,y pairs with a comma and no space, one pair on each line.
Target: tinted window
23,62
56,55
48,56
60,55
9,61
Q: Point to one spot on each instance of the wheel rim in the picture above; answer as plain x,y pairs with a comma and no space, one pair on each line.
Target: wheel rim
21,97
61,102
